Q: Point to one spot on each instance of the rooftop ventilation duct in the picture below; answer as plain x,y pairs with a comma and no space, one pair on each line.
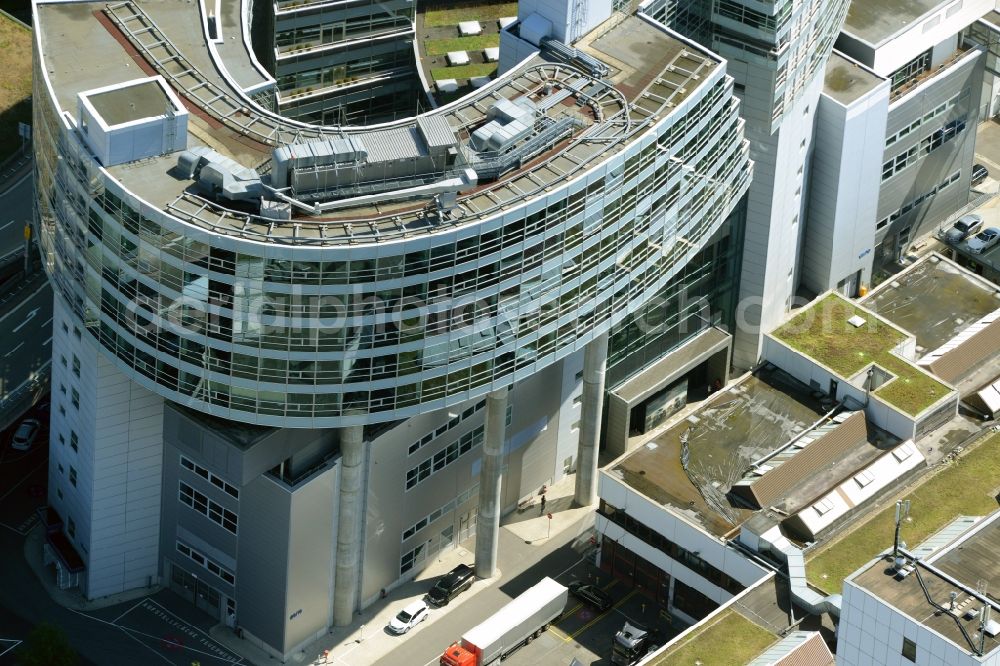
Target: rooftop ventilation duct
219,175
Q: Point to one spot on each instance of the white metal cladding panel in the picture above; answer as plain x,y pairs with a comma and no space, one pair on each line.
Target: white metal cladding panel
128,457
920,36
774,216
844,189
685,535
77,502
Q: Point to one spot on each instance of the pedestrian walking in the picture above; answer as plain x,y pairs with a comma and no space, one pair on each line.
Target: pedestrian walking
543,504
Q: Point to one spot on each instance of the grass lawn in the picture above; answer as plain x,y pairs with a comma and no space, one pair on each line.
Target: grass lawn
468,11
15,85
437,47
821,331
966,487
731,639
464,71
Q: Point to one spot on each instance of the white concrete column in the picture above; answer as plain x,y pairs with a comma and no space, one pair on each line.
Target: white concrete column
490,478
595,364
349,526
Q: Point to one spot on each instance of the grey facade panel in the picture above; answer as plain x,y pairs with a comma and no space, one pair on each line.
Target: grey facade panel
312,542
957,155
262,606
529,463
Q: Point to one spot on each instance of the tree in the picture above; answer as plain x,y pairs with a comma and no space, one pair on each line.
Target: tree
47,645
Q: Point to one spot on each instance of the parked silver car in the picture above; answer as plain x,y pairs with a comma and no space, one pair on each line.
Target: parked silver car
25,434
965,226
984,240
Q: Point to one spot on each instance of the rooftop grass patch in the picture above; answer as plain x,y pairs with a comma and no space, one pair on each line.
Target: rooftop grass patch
15,84
730,639
437,47
464,71
469,11
966,487
823,333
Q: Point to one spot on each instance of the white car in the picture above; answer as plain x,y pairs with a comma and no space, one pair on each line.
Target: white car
25,434
408,618
984,240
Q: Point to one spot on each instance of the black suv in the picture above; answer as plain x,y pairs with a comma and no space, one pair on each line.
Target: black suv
592,595
452,584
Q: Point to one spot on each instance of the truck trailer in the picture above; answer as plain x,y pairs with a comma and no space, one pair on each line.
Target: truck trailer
512,626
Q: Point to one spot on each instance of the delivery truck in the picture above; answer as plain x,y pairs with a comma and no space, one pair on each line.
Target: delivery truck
512,626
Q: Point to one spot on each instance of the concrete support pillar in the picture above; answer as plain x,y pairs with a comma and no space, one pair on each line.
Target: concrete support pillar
490,477
349,526
595,363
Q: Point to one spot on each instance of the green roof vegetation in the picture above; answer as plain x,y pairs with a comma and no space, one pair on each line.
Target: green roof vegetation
823,333
730,639
965,487
468,11
15,84
436,47
464,71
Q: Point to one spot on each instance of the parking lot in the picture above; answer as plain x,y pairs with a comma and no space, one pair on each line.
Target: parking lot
584,633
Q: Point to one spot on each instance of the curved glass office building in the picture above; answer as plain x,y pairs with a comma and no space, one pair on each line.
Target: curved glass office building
253,312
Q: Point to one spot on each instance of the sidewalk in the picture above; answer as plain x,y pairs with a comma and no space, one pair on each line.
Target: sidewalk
366,641
72,598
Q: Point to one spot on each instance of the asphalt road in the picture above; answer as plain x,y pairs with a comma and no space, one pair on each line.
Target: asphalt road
15,211
25,334
521,566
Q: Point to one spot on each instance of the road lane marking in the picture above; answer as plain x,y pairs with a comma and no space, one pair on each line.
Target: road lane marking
131,608
47,340
9,640
599,616
156,652
19,181
31,315
1,229
560,634
23,479
24,301
19,345
46,322
132,633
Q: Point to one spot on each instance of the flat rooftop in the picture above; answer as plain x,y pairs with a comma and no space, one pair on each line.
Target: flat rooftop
823,332
92,45
935,300
875,21
121,105
971,562
736,427
847,81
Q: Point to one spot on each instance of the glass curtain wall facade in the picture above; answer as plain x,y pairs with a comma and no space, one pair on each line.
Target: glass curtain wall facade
704,294
314,335
795,38
344,63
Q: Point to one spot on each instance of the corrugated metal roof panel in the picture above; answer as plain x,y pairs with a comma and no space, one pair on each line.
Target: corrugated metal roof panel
394,144
954,365
799,648
436,131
